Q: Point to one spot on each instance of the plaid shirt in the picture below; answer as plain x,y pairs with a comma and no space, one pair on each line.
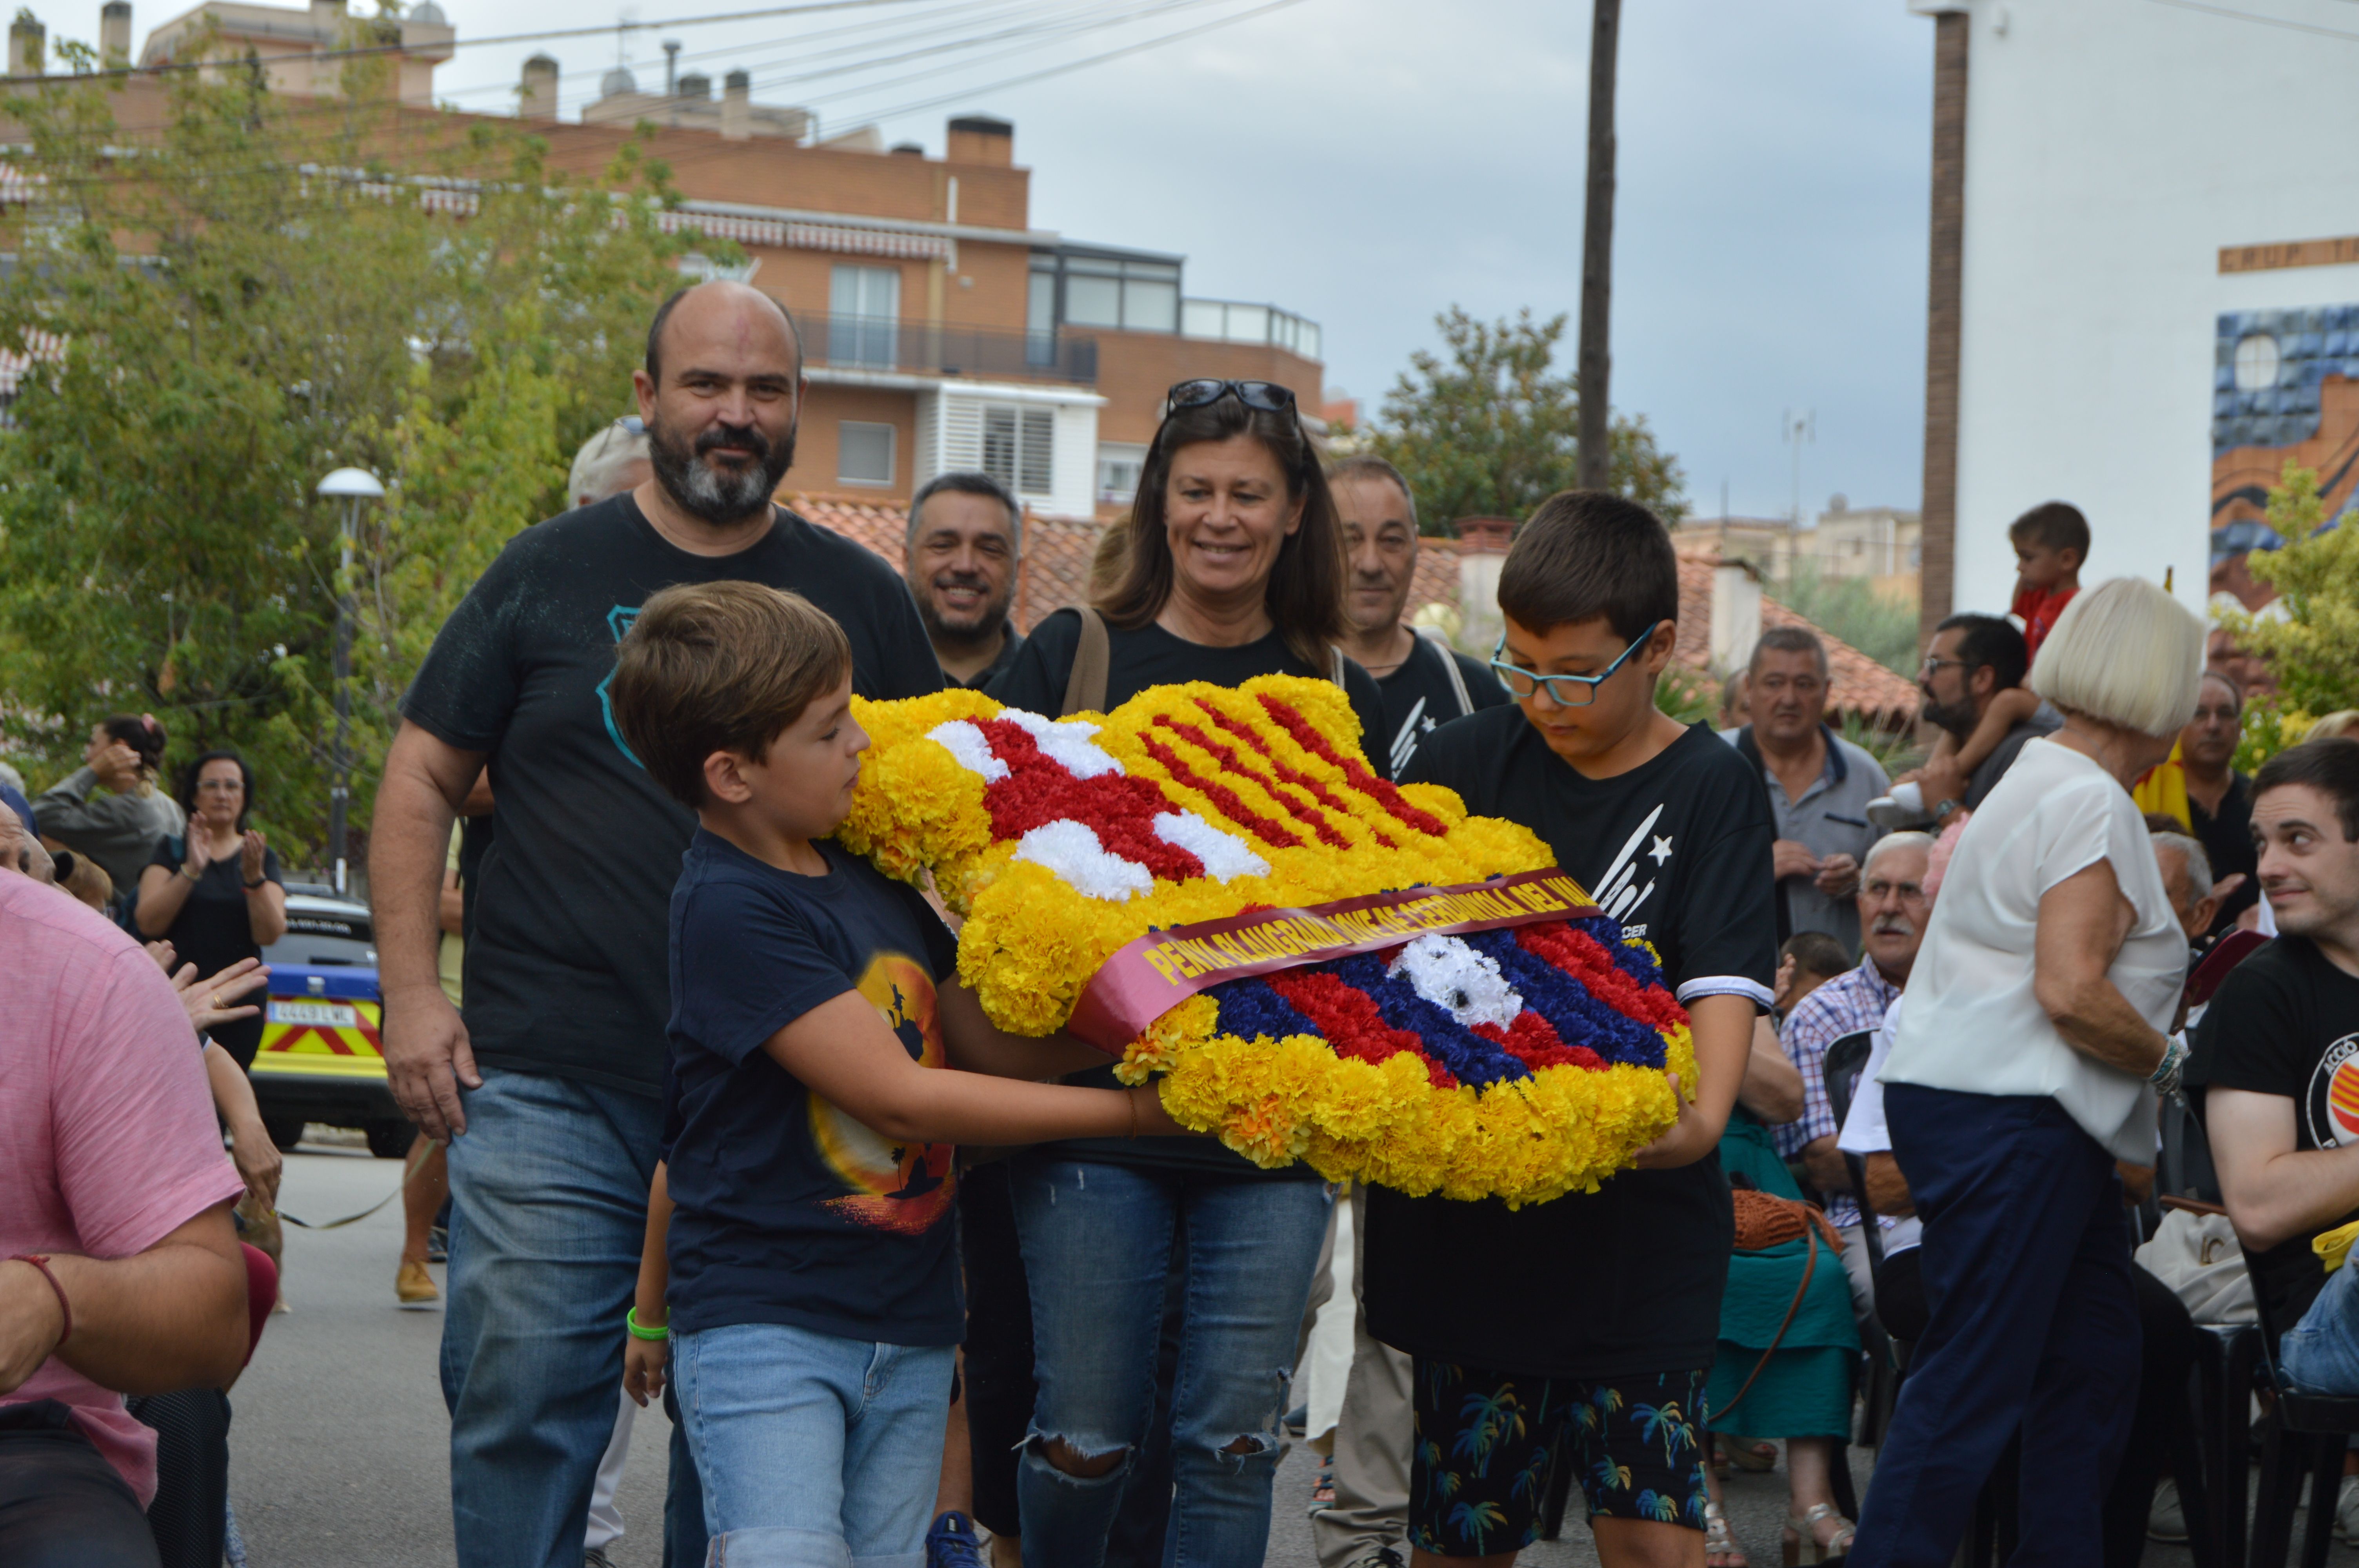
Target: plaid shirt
1848,1004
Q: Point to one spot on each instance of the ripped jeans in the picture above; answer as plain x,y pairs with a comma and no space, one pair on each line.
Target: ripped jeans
1097,1244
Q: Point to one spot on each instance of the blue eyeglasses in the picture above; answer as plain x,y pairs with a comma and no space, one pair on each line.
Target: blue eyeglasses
1565,691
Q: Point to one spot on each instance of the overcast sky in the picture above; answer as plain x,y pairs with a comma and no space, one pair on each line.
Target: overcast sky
1368,163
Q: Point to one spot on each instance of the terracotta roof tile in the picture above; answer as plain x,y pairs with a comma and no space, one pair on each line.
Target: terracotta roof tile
1860,685
1056,550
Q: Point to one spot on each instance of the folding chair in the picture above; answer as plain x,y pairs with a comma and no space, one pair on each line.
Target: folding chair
2302,1434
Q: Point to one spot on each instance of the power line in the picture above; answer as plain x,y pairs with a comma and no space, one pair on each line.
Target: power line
2235,16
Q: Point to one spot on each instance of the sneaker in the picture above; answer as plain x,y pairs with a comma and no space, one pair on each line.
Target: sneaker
1297,1419
2346,1509
413,1285
438,1245
2165,1520
1904,807
953,1543
1383,1557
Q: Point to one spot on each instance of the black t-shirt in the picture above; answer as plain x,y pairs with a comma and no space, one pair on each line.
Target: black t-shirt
2227,841
788,1210
213,930
2286,1022
1420,697
1139,658
1628,1279
1009,646
564,968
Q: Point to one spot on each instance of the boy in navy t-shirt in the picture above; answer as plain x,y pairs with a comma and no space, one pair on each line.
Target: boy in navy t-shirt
807,1290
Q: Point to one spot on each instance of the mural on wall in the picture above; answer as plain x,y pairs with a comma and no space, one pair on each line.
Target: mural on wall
2285,388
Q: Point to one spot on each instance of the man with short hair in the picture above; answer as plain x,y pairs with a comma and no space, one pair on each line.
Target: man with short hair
964,548
1819,784
2186,879
549,1091
1893,906
2277,1057
1971,659
1424,682
2219,798
120,1270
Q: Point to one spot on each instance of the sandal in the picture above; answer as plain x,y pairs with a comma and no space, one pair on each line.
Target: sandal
1757,1455
1720,1548
1802,1543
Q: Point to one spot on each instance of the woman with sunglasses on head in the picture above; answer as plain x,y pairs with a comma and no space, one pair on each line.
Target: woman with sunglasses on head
1234,569
214,892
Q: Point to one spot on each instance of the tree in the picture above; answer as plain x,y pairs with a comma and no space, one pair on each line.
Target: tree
255,296
1489,431
2310,637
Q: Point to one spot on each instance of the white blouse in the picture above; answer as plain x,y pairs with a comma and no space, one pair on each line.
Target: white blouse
1972,1023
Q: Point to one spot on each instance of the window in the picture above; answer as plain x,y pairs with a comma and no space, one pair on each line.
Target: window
2257,358
865,313
1019,447
1108,291
1092,301
1119,463
864,453
1040,315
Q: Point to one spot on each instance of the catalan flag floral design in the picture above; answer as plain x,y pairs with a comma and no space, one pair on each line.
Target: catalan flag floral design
1520,1063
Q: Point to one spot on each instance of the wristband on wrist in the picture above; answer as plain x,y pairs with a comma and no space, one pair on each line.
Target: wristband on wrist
641,1331
193,876
65,1307
257,883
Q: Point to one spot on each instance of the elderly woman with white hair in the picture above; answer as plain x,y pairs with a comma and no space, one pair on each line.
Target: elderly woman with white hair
2025,1063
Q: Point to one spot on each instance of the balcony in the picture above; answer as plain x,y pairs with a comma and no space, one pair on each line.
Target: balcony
1233,321
886,343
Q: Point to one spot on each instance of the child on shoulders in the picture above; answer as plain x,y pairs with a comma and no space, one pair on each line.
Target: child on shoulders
800,1274
2051,543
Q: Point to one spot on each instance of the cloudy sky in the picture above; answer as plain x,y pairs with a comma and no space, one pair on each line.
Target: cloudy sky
1368,163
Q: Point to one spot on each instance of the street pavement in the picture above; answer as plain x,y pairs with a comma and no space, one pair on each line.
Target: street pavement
339,1452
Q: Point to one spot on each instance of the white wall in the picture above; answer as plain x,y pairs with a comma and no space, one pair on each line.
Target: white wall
2113,146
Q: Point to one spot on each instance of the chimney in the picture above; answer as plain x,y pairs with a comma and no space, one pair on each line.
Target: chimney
736,107
1482,551
672,66
114,33
696,86
1735,615
978,138
537,100
28,46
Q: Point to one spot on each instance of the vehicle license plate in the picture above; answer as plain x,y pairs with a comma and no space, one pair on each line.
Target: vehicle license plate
318,1014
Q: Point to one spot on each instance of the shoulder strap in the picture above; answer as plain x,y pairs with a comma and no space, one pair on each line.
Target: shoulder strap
1457,675
1085,687
1335,670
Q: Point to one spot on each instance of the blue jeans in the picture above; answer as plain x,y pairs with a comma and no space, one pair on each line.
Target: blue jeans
815,1452
1097,1245
549,1190
2034,1326
2319,1355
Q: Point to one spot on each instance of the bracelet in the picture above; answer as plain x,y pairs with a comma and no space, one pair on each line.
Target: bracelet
40,1261
192,876
639,1330
258,882
2166,1072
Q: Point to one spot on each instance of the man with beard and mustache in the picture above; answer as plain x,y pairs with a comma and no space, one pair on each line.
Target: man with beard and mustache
1893,908
965,545
1971,659
549,1092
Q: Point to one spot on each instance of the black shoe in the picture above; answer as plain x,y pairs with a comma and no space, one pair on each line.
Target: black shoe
438,1245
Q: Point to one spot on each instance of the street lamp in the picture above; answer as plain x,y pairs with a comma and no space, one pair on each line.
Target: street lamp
351,486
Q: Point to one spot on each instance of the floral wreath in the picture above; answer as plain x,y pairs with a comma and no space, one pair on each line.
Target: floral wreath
1515,1063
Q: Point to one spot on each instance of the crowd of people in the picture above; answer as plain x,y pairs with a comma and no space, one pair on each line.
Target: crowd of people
724,1129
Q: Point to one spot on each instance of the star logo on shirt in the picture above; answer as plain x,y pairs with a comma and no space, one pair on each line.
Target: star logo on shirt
1661,851
1427,725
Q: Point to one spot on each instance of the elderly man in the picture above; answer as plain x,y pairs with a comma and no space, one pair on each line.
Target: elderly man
550,1090
2187,878
1892,909
122,1273
964,547
1971,659
1425,684
2219,798
1819,784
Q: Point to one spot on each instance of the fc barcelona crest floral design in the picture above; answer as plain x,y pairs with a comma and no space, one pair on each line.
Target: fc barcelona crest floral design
1462,1037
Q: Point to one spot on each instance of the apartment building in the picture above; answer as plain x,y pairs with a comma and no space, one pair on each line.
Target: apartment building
943,328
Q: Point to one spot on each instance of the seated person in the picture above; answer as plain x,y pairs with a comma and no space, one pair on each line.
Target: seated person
2273,1066
119,1269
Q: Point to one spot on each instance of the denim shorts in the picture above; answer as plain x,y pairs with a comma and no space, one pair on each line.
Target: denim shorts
2319,1355
814,1451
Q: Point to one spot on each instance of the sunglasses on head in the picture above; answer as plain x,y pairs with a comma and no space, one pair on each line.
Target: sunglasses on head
1266,395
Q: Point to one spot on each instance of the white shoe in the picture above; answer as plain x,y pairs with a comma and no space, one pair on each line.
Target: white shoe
2167,1521
1904,807
2347,1509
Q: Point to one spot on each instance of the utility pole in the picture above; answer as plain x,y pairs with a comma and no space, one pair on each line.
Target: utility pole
1799,429
1597,253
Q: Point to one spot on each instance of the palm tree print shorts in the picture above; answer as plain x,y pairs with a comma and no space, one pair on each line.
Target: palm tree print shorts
1488,1441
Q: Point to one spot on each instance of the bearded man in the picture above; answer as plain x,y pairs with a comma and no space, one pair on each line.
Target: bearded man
548,1090
1893,909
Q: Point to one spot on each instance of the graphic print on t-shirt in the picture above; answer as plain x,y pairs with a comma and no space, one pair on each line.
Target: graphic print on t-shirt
1618,893
1412,728
619,621
2331,1101
900,1188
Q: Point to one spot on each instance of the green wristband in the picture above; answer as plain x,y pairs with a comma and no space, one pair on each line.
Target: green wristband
639,1331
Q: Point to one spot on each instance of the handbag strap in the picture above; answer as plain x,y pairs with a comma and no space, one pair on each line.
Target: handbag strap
1085,687
1809,1266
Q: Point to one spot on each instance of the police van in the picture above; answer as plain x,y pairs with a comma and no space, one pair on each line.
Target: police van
319,1055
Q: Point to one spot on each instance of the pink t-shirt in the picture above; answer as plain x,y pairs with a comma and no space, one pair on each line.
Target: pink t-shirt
107,1138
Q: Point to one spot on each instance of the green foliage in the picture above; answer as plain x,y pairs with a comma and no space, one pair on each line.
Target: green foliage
2310,636
1884,629
1686,696
1894,751
236,319
2268,726
1488,431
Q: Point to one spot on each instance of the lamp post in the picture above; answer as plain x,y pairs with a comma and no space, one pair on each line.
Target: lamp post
351,486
